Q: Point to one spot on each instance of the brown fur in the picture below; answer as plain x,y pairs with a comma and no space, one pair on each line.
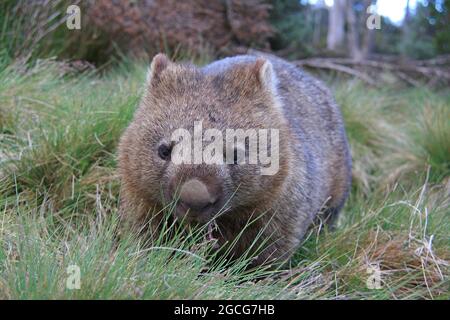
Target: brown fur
240,92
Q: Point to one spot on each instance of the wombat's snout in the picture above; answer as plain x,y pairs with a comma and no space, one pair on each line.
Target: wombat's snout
199,199
195,195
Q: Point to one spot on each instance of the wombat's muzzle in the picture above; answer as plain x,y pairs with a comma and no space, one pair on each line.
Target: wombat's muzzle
199,199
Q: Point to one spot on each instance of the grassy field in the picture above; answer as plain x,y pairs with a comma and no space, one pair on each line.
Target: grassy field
59,196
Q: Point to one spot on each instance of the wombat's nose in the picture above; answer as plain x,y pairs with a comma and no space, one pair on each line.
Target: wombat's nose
195,195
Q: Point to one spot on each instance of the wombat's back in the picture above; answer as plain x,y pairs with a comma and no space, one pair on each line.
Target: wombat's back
321,146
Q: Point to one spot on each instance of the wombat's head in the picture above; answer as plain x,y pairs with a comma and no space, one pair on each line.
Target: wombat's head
168,152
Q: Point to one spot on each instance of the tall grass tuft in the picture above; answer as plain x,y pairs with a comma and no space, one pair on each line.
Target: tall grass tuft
59,199
432,138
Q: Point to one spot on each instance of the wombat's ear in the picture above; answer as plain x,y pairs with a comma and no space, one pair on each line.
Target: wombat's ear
159,63
266,76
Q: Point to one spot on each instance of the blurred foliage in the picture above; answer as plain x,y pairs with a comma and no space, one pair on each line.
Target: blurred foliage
31,30
440,20
427,32
199,28
111,29
293,25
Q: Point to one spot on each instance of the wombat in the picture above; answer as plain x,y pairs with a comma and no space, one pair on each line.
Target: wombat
250,209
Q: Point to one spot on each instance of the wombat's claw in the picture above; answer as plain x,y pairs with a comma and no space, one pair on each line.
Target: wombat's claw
209,235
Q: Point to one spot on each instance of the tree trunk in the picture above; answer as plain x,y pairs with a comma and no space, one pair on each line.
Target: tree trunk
336,24
369,34
317,27
407,15
353,36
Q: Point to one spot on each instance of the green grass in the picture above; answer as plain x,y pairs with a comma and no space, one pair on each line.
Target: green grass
59,195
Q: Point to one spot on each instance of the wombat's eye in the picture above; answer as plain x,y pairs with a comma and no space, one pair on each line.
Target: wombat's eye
164,151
